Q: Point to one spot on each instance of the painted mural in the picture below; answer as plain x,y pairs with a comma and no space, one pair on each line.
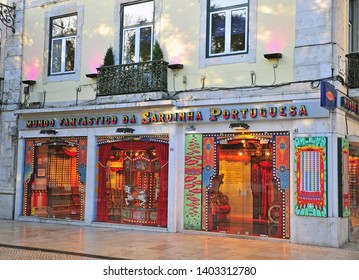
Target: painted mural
193,182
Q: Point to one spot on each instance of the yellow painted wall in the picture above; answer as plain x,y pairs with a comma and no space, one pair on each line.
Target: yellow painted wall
179,37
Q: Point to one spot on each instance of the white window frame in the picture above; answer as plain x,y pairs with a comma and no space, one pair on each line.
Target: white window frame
137,41
228,30
63,50
248,57
137,29
158,4
58,11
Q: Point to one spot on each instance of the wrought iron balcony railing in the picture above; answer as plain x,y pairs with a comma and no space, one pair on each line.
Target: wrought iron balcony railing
353,70
132,78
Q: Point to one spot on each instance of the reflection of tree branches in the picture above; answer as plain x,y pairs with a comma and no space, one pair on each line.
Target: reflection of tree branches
64,26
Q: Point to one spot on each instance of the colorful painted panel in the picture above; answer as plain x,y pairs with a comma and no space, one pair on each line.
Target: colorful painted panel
311,176
343,177
82,160
209,169
282,169
28,173
193,182
282,161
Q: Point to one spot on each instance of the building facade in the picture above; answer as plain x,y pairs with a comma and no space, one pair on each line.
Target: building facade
234,117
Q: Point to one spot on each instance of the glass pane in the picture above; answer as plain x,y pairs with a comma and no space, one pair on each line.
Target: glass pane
56,56
129,46
218,31
238,30
145,44
225,3
64,26
138,14
70,54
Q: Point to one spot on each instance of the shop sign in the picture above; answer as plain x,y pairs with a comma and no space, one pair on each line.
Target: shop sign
212,114
216,114
80,121
349,105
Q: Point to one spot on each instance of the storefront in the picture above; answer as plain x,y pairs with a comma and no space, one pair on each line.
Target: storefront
259,170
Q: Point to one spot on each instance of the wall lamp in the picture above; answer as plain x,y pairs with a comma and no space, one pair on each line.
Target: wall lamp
125,130
48,131
175,68
239,126
273,55
29,84
92,75
191,128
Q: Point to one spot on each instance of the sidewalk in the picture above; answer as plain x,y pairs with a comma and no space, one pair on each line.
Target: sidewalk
124,244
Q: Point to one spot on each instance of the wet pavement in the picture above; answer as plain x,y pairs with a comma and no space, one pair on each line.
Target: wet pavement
39,241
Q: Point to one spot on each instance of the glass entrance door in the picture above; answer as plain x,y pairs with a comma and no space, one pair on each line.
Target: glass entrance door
247,170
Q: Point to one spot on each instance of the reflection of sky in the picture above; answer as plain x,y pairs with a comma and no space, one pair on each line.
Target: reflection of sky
135,14
238,23
226,3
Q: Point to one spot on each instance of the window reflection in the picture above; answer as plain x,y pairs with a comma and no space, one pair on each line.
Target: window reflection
138,14
228,27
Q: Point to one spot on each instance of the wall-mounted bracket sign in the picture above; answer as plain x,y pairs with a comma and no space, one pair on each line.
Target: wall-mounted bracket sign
7,15
328,95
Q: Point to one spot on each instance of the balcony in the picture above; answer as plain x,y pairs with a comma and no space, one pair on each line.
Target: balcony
132,78
353,70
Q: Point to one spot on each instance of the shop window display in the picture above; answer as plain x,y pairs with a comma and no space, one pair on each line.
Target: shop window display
133,178
55,178
238,184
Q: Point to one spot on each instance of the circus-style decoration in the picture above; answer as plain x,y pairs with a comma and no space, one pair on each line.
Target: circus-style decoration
54,180
311,176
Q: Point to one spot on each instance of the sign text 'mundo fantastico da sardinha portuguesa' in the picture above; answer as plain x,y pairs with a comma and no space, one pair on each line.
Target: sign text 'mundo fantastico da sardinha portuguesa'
212,114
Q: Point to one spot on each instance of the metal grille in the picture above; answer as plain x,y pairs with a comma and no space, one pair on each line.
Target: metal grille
353,70
132,78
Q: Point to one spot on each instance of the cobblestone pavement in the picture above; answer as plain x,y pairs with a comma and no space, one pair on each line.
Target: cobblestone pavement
17,253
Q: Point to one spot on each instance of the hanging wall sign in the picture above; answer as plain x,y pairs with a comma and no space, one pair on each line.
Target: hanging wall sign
311,176
328,95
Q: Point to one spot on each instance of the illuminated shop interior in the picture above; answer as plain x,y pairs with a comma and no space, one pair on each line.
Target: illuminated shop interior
238,192
53,185
133,176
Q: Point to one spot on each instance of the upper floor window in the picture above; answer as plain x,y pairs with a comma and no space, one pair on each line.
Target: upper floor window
353,26
63,31
137,32
227,27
